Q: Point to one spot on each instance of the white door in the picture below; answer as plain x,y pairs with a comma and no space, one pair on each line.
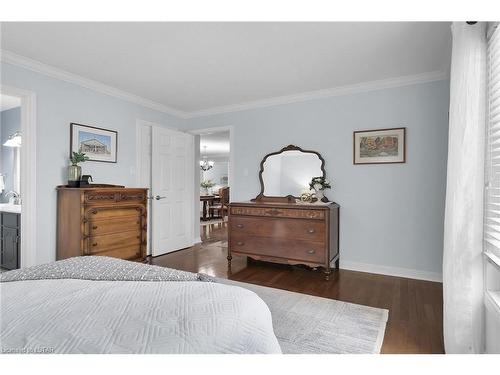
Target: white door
172,190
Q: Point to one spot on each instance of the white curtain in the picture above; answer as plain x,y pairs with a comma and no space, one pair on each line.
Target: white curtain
463,229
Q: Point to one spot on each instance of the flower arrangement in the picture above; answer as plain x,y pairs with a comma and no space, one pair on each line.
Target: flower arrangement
319,183
207,184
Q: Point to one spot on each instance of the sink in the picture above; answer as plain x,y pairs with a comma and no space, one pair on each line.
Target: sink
12,208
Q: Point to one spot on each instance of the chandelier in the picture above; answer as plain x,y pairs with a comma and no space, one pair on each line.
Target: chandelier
206,164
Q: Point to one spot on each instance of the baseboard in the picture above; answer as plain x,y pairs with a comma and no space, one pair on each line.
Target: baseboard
196,240
391,271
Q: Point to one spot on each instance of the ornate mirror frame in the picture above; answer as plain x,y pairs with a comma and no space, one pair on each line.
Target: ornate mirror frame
289,198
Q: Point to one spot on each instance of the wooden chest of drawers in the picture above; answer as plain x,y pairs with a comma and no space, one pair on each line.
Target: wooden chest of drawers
285,233
109,221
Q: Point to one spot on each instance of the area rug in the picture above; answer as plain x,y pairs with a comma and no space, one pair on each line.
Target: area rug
307,324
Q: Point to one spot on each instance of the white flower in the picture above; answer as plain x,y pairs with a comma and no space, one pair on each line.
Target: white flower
317,186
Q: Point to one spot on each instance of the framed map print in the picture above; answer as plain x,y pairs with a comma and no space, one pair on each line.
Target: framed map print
379,146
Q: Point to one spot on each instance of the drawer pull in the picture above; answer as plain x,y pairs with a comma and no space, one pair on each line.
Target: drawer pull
240,243
311,251
311,230
94,227
94,244
239,225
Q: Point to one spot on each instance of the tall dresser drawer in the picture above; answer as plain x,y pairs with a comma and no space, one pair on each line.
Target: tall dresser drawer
299,229
99,197
112,212
123,252
132,196
117,225
97,244
278,212
306,251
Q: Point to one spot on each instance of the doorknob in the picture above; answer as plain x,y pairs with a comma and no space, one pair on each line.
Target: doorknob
157,197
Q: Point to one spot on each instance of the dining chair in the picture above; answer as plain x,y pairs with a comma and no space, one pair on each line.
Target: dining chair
222,206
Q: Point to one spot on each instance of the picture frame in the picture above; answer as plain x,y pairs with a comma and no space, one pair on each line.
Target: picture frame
379,146
97,143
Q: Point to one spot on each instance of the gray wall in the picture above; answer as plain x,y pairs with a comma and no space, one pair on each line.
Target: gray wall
58,104
10,122
391,215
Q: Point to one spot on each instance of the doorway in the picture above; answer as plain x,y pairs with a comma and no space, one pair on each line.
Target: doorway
18,177
215,179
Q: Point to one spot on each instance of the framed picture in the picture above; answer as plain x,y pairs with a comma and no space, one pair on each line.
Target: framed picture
98,144
380,146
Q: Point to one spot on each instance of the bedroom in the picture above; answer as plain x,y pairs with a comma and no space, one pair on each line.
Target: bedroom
350,162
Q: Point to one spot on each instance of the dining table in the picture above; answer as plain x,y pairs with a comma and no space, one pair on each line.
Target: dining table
207,201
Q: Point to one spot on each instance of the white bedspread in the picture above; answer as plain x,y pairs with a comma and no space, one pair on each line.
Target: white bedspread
83,316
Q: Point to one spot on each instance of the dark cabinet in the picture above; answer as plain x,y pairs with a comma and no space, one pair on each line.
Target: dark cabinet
10,227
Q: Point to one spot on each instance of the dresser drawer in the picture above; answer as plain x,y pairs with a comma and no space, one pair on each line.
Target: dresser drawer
131,196
299,229
314,214
93,197
114,225
105,242
99,213
306,251
100,197
124,252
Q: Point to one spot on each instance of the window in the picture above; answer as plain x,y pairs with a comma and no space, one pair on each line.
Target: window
492,197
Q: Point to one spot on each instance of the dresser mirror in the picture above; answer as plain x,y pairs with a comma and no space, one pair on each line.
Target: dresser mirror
285,174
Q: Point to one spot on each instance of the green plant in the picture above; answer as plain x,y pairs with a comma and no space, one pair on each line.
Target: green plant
78,157
319,183
207,184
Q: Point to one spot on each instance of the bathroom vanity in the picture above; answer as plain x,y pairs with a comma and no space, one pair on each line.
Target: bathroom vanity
10,227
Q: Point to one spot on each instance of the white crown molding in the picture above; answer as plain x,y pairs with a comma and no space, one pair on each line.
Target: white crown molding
39,67
326,93
392,271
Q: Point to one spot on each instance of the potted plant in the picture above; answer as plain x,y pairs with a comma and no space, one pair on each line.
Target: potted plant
74,170
207,184
319,184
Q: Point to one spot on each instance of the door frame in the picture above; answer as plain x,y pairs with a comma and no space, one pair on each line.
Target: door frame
219,129
231,169
28,173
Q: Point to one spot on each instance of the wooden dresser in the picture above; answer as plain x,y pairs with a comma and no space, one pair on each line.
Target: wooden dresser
289,233
109,221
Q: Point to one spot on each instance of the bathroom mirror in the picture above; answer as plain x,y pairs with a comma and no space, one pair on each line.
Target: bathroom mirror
285,174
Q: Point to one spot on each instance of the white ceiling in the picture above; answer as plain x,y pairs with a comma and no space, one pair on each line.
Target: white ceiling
197,66
217,144
9,102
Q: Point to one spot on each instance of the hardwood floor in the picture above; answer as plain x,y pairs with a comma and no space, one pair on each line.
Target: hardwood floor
415,306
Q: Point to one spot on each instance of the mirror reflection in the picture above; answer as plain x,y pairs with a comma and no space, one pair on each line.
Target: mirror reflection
289,173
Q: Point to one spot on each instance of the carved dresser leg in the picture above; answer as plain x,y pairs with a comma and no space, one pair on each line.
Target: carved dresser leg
328,272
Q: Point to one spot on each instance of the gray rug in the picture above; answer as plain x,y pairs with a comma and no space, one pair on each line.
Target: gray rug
307,324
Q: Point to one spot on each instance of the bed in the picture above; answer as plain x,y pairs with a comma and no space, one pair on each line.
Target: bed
104,305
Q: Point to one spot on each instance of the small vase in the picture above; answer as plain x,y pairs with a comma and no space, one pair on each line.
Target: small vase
205,191
74,174
320,195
